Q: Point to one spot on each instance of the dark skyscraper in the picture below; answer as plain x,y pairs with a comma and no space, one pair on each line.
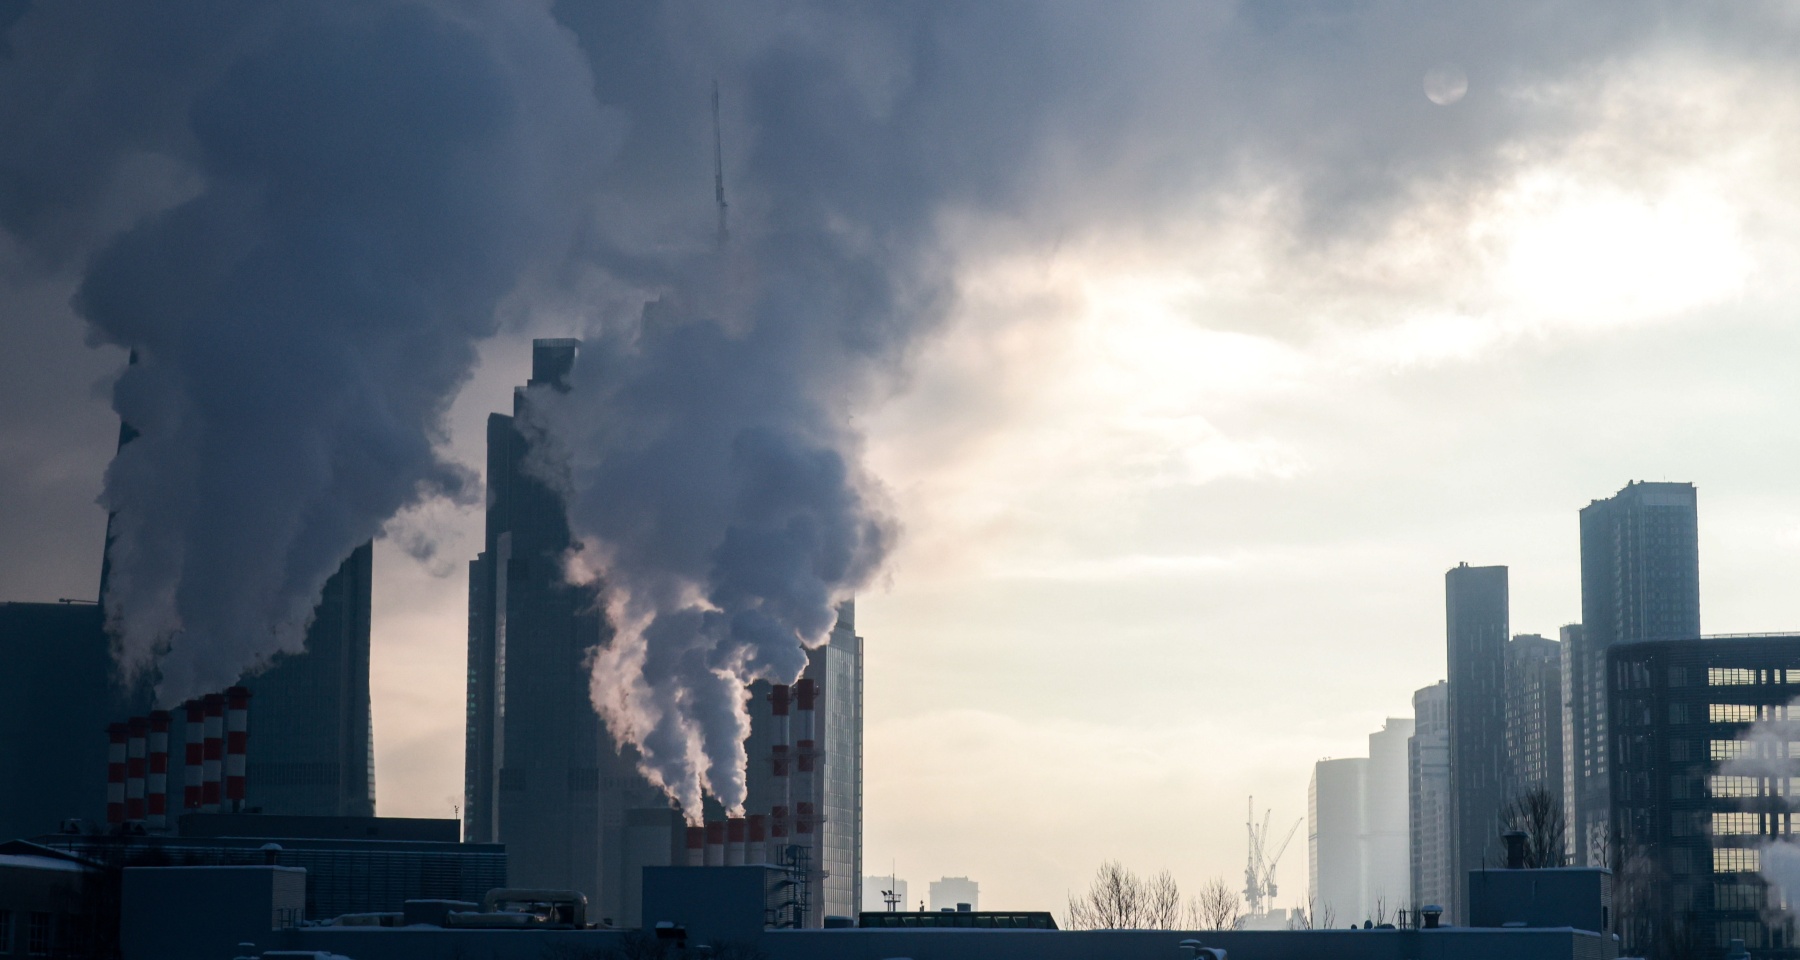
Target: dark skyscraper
312,743
1475,600
540,771
1640,580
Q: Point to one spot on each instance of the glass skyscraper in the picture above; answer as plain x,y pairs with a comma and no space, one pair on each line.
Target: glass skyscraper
1476,614
1640,580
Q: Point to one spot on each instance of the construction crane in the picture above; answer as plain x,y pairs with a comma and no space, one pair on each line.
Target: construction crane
1259,875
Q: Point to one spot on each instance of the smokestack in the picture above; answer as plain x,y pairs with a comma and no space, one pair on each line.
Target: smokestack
156,786
1515,849
237,742
734,842
139,730
756,839
715,843
778,839
212,765
696,846
804,754
116,734
193,756
779,759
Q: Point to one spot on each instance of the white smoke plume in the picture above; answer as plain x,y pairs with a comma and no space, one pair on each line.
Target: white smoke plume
1765,754
300,217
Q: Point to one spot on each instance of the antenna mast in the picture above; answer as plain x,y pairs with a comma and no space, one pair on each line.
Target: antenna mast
719,165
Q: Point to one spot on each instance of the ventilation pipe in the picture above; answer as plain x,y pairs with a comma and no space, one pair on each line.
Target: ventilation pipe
805,753
237,744
194,755
696,846
212,767
779,698
116,735
156,786
756,839
715,843
135,747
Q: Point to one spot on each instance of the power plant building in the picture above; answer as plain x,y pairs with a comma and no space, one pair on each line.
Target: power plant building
1640,580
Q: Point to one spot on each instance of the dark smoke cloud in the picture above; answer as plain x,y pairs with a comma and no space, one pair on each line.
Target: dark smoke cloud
301,218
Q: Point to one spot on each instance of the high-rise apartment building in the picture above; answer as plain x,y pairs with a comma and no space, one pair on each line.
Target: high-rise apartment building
1428,797
1356,838
1640,580
1534,717
1477,628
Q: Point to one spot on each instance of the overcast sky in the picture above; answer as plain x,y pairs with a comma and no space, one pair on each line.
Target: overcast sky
1248,341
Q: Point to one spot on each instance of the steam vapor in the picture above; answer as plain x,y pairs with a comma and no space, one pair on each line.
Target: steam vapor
300,218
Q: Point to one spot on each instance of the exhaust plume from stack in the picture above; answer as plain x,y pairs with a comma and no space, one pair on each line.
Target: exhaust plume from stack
300,218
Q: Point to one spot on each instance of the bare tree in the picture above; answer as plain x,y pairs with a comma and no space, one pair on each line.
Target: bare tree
1539,815
1379,911
1309,917
1162,902
1121,900
1216,907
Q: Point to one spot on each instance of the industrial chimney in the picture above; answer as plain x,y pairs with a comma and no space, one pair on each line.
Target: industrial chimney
156,786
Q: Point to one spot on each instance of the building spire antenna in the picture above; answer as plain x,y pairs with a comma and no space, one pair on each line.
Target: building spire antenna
719,165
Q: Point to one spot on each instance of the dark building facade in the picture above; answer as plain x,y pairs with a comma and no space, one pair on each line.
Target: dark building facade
1640,580
1704,768
1534,717
312,739
1477,629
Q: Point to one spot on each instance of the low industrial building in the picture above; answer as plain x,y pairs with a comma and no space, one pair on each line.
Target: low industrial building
174,913
45,901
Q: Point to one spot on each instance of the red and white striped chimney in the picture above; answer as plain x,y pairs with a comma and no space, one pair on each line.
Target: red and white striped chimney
778,839
156,782
805,753
213,764
696,846
237,744
715,843
116,735
734,842
779,697
756,839
193,757
135,745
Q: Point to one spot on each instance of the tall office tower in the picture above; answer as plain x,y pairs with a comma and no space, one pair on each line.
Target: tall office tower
1387,874
1428,796
835,886
1476,618
313,744
1534,715
534,748
1334,816
1640,580
1574,849
1356,840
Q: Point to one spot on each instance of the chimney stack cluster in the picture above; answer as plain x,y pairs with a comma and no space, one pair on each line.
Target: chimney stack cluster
793,816
215,750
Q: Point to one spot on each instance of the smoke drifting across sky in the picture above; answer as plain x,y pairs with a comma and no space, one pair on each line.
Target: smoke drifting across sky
301,218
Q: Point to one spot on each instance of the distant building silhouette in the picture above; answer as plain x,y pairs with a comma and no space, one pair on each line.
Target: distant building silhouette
1476,614
1357,830
950,891
1640,580
1428,797
1534,717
